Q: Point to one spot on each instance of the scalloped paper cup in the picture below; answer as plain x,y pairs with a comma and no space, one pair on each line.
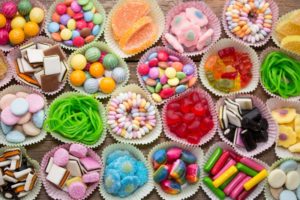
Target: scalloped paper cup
272,130
52,190
188,191
211,105
259,188
263,55
156,14
9,74
12,89
99,9
69,141
35,3
141,192
16,53
102,46
224,43
149,137
33,194
213,23
275,13
183,59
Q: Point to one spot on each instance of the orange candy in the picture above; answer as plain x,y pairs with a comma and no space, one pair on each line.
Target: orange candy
70,12
77,78
68,2
56,37
107,85
31,29
16,36
96,69
2,20
55,17
177,66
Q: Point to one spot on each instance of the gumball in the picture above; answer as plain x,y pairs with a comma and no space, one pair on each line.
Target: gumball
2,20
37,15
98,18
66,34
64,19
91,85
61,8
96,70
18,22
24,7
71,24
77,78
3,36
81,24
78,41
78,61
92,54
31,29
55,17
9,9
16,36
107,85
75,7
53,27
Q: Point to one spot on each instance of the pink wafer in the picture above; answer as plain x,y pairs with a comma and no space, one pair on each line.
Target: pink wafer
250,163
230,187
230,163
239,188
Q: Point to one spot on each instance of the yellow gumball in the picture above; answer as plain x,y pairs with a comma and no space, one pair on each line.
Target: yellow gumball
36,15
31,29
78,62
18,22
16,36
2,20
71,24
66,34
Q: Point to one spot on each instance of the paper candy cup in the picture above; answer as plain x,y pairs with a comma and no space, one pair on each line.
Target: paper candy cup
141,192
224,43
9,74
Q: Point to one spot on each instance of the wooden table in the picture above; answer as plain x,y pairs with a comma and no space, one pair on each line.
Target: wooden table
37,151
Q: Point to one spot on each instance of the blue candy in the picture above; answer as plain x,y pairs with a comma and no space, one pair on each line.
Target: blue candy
112,181
181,88
15,137
152,56
91,85
141,173
115,155
19,106
289,165
128,185
160,156
188,157
68,42
96,30
53,27
75,34
38,118
88,16
298,192
287,194
5,128
126,166
161,174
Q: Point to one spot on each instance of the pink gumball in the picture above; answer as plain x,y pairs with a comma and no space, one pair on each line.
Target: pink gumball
3,36
75,6
61,8
90,25
81,24
7,25
9,9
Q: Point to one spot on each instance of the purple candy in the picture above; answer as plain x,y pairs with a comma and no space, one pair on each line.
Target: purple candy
64,19
75,6
68,43
163,79
188,69
154,73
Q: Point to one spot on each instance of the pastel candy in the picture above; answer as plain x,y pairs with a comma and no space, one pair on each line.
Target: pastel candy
178,21
61,157
205,39
286,194
8,118
160,156
6,100
276,178
196,16
161,174
189,35
38,118
22,94
170,187
119,74
292,180
173,154
19,106
188,157
5,128
77,190
36,102
25,118
15,137
178,169
141,173
192,173
174,42
128,185
298,192
276,192
288,165
30,129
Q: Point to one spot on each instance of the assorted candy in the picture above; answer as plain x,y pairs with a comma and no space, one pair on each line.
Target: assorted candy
22,115
124,174
19,21
17,174
230,175
165,75
189,117
174,169
76,23
229,70
73,169
3,66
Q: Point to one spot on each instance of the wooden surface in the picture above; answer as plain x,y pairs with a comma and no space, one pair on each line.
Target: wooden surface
38,150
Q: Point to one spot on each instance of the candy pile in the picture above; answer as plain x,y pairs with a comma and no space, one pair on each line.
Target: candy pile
174,168
22,115
124,174
249,20
3,66
73,170
242,123
166,75
131,116
19,21
229,70
189,31
97,71
133,27
17,176
75,22
231,175
41,65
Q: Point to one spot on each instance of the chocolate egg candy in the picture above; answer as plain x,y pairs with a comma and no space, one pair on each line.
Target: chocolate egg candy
188,157
173,154
161,173
110,61
192,173
92,54
119,74
85,32
170,187
91,85
160,156
178,169
24,7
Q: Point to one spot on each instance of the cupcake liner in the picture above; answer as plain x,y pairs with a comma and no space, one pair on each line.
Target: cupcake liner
144,58
16,53
272,130
223,43
52,190
275,103
157,15
102,46
263,55
149,137
212,109
259,188
275,13
102,113
12,89
141,192
51,10
9,73
38,185
191,189
35,3
213,20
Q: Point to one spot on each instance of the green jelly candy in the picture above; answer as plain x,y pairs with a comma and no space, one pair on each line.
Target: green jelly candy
150,89
246,170
218,192
213,159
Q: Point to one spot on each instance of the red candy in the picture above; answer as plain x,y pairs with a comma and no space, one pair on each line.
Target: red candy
81,24
143,69
167,92
9,9
220,163
61,8
163,56
90,25
78,41
153,62
7,25
4,36
78,16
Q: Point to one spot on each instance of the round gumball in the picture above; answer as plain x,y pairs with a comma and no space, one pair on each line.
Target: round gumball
16,36
53,27
9,9
107,85
31,29
78,62
4,39
91,85
78,41
24,7
18,22
92,54
96,70
37,15
61,8
2,21
66,34
77,78
110,61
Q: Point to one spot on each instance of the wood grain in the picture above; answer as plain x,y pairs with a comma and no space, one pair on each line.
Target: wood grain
38,150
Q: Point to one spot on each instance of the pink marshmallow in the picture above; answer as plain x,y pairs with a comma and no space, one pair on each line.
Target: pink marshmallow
78,150
196,16
91,177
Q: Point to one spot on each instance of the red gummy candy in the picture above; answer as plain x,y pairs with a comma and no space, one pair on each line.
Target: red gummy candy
188,117
206,124
167,92
229,75
186,105
229,51
163,56
193,139
199,109
174,106
181,130
153,62
173,117
194,125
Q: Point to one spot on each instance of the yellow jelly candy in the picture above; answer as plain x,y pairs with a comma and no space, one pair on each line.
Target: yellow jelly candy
36,15
107,85
18,22
295,19
284,115
292,43
66,34
297,125
31,29
2,20
16,36
286,137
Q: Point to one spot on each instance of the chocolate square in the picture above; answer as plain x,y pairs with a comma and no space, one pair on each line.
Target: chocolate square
50,83
55,50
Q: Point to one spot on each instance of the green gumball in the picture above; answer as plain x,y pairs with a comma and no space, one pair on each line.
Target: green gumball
24,7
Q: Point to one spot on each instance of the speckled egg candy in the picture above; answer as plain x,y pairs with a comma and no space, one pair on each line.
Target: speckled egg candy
110,61
119,74
91,85
92,54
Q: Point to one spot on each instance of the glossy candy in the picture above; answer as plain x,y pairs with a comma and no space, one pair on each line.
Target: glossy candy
160,156
225,176
161,174
246,170
192,173
170,187
178,169
173,154
213,159
220,163
209,183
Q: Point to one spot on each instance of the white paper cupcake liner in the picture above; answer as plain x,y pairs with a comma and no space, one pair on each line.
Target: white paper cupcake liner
142,191
223,43
103,47
191,189
16,53
212,109
53,191
51,10
149,137
263,55
265,113
157,15
69,141
13,89
9,74
38,185
213,23
259,188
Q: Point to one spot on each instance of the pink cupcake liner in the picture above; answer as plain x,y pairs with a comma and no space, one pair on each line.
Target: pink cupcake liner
183,59
272,130
213,20
15,53
9,73
53,191
35,3
211,105
275,13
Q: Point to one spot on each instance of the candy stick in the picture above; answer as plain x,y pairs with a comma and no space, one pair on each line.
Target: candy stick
225,176
238,178
219,193
220,163
235,156
246,170
244,194
252,164
213,159
224,185
256,180
227,165
239,188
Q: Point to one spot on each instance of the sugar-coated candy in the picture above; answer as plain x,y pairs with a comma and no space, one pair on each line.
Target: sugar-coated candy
170,187
192,173
119,74
161,173
36,15
9,9
92,54
160,156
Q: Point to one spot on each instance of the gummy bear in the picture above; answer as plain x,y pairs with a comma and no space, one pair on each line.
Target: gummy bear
211,61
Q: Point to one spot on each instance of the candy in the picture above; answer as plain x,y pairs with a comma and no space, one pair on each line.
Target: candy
16,36
2,21
96,70
226,175
220,163
213,159
31,29
161,174
256,180
119,74
192,173
178,169
188,157
170,187
36,15
209,183
18,22
9,9
107,85
173,154
53,27
110,61
276,178
239,188
4,37
66,34
246,170
78,62
92,54
77,78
